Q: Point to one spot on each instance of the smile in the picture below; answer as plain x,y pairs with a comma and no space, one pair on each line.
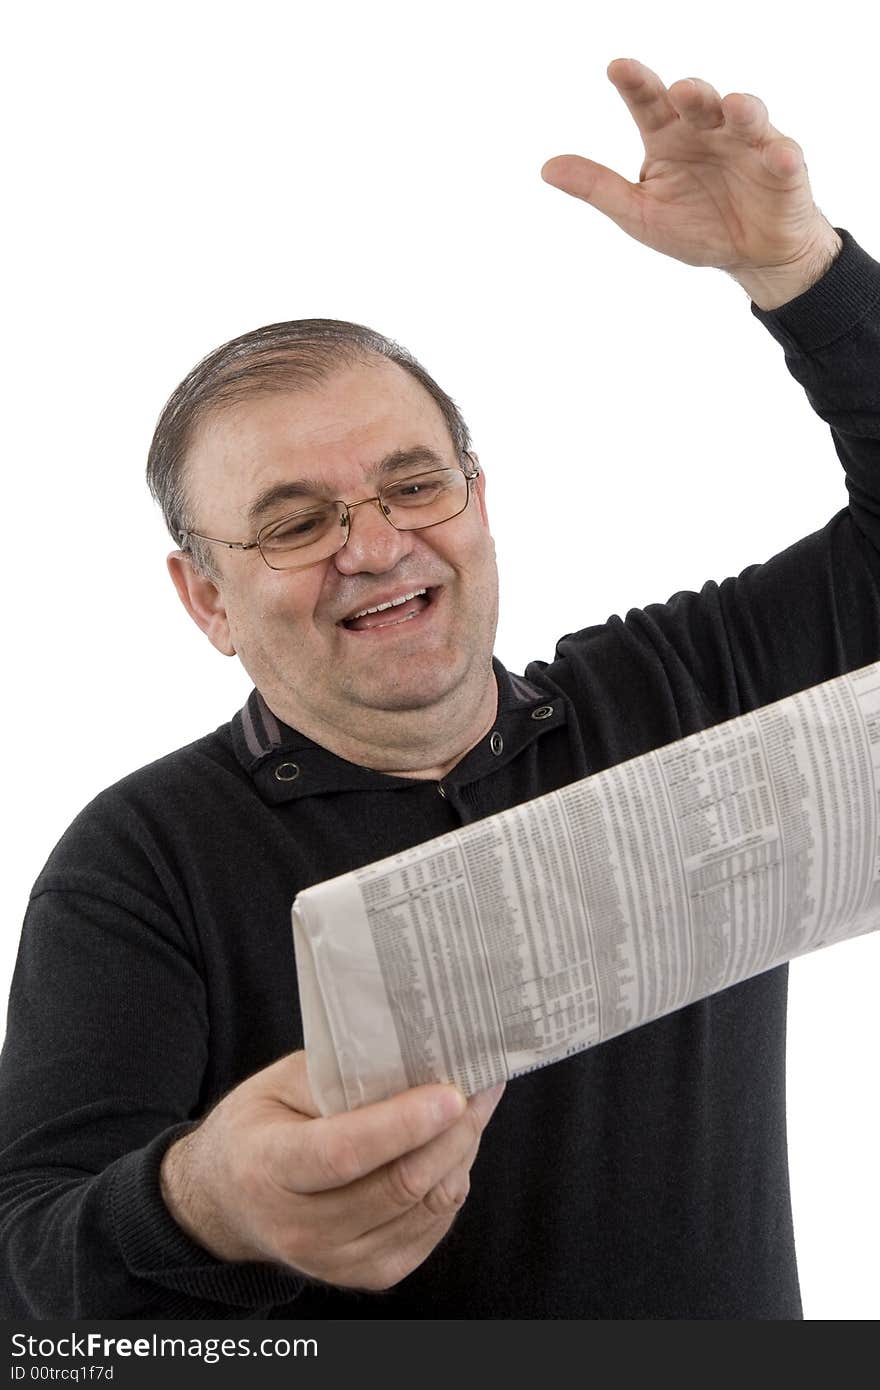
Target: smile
392,612
392,603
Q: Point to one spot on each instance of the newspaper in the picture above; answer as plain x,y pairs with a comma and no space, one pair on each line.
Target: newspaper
527,936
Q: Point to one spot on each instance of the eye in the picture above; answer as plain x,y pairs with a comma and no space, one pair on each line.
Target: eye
299,529
418,491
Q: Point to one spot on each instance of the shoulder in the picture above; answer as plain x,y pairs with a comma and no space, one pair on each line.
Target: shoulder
145,816
643,680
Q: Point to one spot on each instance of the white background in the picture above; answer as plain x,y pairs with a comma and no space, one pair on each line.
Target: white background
183,172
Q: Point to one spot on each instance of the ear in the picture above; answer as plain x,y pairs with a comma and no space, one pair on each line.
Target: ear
202,600
480,492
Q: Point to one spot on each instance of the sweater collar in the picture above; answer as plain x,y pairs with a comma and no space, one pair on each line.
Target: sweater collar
285,765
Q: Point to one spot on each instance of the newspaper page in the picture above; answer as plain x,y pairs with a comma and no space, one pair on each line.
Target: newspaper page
532,934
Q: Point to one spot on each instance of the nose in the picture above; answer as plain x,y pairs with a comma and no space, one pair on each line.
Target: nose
373,544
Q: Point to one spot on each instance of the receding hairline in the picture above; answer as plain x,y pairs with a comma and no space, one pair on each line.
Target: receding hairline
226,398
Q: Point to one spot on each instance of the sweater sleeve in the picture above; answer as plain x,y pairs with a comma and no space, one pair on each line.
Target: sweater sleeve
102,1068
831,339
805,615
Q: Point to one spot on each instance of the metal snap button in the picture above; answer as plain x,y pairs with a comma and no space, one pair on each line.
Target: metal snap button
542,712
496,743
286,772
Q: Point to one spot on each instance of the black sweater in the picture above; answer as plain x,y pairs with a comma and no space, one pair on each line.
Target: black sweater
646,1178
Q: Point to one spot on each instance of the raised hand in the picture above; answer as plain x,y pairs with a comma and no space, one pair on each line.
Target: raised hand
719,185
357,1200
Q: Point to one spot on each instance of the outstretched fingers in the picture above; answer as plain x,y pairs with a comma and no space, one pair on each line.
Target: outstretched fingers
690,99
719,185
697,102
653,105
644,93
747,118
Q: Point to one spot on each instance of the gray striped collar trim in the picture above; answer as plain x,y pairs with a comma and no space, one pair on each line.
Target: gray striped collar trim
260,728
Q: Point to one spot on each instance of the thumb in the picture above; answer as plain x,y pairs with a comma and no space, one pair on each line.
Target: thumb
592,183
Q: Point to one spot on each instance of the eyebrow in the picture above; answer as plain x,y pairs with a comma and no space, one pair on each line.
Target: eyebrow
271,497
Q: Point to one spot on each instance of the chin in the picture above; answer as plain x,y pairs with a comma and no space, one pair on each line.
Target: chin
402,697
408,689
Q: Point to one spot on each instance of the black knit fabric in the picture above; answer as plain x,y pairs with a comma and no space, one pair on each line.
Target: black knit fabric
646,1178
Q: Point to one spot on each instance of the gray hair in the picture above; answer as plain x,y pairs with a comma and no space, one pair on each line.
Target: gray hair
277,357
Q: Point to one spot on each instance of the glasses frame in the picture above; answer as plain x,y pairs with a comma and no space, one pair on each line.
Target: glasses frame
345,517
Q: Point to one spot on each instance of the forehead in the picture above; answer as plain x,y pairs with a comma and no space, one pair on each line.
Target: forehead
336,433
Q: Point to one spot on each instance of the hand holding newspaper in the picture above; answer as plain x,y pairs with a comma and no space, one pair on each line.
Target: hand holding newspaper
530,935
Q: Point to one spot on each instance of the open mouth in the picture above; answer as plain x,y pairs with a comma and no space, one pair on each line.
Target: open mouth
393,613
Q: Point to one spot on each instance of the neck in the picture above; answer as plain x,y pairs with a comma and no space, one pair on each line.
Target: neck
421,743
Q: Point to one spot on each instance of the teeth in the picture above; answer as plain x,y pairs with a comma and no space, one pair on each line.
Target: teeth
392,603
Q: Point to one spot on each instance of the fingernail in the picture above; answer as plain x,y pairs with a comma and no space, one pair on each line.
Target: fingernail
486,1101
449,1104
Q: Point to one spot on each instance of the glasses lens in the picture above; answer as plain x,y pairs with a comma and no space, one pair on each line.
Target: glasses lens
303,538
425,499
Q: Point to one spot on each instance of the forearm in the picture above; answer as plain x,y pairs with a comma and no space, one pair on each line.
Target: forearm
96,1081
106,1247
813,610
831,338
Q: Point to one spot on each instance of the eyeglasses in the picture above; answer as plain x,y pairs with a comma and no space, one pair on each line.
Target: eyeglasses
316,533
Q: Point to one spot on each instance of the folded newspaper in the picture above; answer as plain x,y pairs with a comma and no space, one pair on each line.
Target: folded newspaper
530,935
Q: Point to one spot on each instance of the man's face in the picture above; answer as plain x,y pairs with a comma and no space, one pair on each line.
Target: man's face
293,629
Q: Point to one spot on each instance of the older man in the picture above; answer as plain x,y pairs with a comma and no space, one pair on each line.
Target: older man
162,1153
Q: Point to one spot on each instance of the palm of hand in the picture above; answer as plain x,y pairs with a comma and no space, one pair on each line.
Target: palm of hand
719,185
